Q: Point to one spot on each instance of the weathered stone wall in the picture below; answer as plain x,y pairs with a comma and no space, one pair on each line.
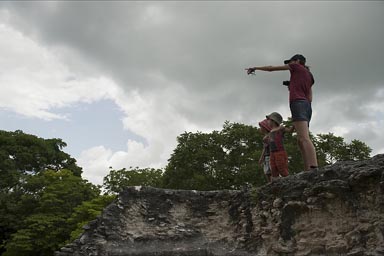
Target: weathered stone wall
337,210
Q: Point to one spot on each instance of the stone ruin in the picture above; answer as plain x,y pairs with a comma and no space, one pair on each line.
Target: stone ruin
337,210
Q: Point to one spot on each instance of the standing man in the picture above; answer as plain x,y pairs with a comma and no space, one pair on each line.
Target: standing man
300,99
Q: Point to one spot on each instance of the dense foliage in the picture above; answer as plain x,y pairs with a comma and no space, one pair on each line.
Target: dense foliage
48,202
331,148
228,159
217,160
116,180
44,202
87,212
40,186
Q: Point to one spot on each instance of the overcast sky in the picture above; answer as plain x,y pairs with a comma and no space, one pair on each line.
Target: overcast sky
119,81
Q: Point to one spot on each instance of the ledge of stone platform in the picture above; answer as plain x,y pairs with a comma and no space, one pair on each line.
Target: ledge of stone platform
337,210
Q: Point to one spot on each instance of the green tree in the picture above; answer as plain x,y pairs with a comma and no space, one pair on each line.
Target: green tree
331,148
358,150
219,160
25,153
116,180
55,195
242,145
87,212
192,165
22,156
228,159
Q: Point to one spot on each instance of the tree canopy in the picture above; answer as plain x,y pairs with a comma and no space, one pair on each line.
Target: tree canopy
228,159
217,160
24,154
332,148
117,180
48,202
39,186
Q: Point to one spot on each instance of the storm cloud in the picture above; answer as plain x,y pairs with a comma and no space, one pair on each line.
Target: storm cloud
177,66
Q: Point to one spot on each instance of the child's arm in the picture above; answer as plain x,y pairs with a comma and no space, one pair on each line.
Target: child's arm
289,129
285,129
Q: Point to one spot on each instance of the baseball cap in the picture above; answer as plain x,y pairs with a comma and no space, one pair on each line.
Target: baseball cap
264,124
276,117
296,57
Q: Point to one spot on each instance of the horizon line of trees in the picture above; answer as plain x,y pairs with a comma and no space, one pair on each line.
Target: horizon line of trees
44,201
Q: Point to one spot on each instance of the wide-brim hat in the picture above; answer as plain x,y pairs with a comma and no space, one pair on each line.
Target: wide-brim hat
264,124
276,117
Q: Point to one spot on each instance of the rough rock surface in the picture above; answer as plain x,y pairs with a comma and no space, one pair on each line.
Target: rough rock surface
337,210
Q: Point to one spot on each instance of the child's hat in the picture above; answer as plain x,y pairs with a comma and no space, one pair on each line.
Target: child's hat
276,117
264,124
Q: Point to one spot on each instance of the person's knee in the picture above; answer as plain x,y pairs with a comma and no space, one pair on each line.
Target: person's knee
303,140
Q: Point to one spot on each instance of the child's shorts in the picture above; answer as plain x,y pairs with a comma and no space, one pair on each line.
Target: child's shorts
267,166
301,110
279,163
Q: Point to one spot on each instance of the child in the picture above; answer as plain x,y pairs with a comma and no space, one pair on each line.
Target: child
278,155
264,158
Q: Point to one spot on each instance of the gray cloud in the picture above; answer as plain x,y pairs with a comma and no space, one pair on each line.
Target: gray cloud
202,48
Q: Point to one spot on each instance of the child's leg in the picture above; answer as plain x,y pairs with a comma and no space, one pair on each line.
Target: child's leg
273,166
268,177
267,168
281,160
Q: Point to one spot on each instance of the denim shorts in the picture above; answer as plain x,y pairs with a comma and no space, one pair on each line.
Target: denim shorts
301,110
